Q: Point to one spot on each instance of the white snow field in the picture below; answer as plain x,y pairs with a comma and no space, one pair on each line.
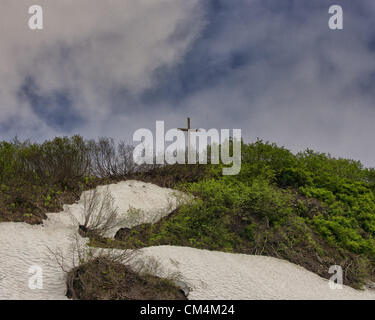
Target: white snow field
208,274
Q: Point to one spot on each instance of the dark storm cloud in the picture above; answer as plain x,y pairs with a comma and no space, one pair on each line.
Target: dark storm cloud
55,107
270,67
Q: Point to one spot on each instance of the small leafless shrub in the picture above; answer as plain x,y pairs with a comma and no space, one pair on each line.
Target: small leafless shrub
79,256
109,160
99,213
147,265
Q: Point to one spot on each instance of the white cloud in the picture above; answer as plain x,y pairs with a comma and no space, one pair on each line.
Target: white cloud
88,48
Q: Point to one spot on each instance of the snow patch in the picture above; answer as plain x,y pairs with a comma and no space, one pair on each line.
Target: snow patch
205,274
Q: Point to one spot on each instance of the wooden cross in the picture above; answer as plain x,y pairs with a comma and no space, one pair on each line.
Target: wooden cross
188,130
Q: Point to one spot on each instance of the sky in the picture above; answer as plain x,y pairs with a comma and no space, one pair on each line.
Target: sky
272,68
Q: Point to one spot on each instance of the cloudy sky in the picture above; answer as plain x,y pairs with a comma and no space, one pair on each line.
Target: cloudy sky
270,67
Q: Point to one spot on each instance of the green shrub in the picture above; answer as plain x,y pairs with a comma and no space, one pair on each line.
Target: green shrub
309,208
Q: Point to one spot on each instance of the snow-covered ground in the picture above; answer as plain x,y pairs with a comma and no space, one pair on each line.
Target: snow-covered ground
219,275
208,274
23,246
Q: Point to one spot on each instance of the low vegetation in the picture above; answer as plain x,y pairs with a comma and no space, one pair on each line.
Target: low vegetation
39,178
103,279
309,208
105,274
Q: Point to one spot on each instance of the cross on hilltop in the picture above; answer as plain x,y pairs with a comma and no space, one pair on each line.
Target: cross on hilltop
188,130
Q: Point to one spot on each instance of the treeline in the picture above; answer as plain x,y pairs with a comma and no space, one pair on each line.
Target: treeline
64,160
36,177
